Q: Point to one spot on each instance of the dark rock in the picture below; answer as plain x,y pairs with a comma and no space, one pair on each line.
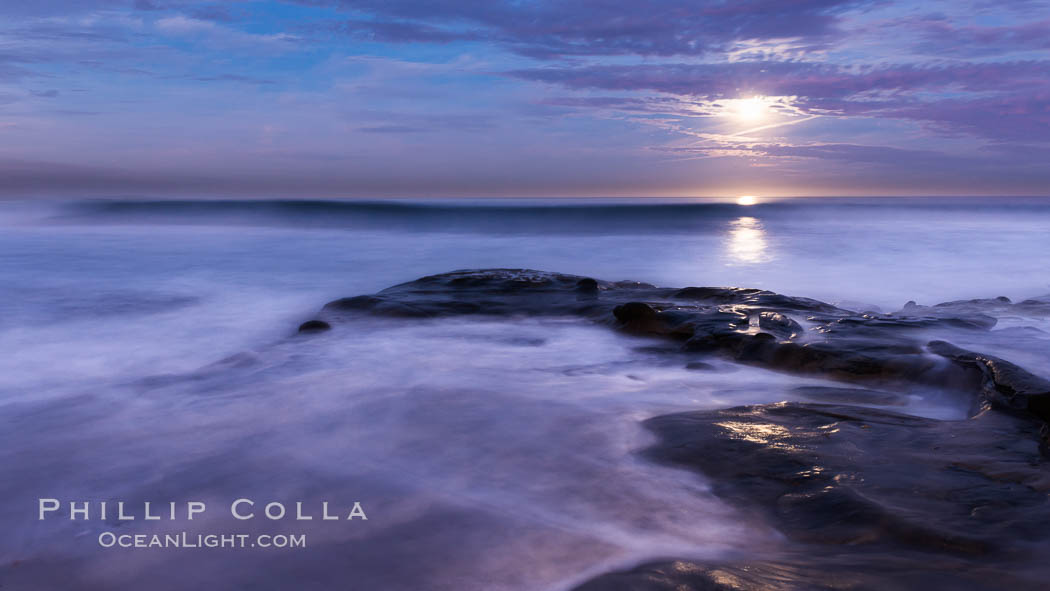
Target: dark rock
779,325
721,295
851,395
868,499
751,297
354,303
1004,385
637,316
808,572
314,326
834,474
977,303
716,329
497,292
750,326
976,313
890,490
894,326
684,575
1023,332
587,285
663,350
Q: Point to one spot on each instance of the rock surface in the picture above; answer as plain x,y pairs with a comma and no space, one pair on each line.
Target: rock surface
314,326
867,499
752,326
838,474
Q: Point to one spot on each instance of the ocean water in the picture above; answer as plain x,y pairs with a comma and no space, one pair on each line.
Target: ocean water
149,354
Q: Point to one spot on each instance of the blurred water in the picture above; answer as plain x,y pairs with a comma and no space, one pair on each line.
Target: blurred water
491,454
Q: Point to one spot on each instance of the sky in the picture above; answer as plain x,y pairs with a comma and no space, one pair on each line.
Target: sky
444,98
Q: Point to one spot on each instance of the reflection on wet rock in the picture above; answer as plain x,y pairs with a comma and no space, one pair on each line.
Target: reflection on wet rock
858,491
889,487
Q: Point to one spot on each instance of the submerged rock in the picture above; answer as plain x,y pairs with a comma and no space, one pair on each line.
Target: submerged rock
868,499
806,572
751,326
851,395
314,326
838,474
587,286
1003,384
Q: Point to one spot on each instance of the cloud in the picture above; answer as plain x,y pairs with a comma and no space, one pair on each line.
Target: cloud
219,14
941,36
392,129
854,153
147,5
235,78
806,79
180,24
218,34
1022,116
1008,100
550,29
568,94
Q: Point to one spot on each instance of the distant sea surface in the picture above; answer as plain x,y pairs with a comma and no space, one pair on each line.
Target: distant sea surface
491,451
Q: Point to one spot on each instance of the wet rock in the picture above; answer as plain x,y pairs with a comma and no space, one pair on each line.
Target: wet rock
684,575
868,499
716,329
496,292
1033,308
750,326
751,297
1031,333
237,360
973,321
587,286
314,326
837,474
859,306
1004,385
720,295
977,311
851,395
354,303
638,316
778,325
806,572
845,360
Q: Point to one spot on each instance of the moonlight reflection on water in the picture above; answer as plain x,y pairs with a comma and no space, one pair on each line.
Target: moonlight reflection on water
747,241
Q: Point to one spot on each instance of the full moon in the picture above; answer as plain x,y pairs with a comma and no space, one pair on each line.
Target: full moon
751,109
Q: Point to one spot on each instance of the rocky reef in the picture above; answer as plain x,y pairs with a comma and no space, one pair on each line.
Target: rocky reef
867,498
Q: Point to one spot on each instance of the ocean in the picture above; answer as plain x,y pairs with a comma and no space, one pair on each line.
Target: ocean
150,353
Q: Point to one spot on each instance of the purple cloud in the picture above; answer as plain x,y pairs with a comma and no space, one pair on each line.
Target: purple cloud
1018,109
1012,117
940,36
804,79
542,96
550,28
